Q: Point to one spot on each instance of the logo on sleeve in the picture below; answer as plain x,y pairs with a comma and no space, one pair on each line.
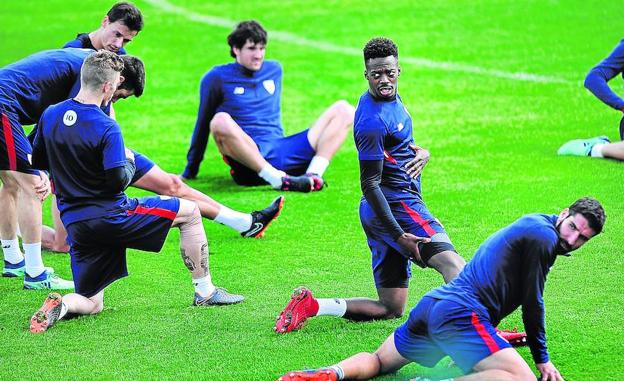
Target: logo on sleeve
269,86
400,126
70,117
239,90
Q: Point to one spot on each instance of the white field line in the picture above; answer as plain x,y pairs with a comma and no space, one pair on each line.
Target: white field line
287,37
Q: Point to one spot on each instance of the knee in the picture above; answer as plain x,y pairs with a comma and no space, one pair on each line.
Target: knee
345,111
393,311
221,125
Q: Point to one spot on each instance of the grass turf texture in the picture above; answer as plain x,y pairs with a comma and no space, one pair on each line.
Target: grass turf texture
492,141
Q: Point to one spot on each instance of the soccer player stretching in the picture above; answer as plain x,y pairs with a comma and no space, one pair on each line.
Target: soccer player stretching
508,271
398,226
84,150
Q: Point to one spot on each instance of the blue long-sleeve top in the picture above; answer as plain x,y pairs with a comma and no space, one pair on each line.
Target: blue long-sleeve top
508,271
597,78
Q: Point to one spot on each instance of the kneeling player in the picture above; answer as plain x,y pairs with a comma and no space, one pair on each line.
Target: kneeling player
84,150
508,270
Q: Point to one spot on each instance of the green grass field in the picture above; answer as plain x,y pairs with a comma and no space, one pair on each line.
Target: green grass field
493,143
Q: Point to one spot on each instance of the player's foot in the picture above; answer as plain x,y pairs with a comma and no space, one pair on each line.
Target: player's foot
14,270
581,147
260,220
47,280
302,306
306,183
220,297
310,375
515,338
47,315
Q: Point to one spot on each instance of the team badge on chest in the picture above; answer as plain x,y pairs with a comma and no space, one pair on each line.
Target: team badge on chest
269,86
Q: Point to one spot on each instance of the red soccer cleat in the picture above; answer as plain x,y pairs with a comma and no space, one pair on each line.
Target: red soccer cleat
310,375
515,338
302,306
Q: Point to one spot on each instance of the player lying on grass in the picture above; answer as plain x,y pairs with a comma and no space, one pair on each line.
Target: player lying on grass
508,271
84,151
120,25
240,105
596,82
392,211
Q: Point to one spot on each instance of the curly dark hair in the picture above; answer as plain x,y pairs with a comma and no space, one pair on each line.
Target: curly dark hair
246,30
134,75
127,14
380,47
592,211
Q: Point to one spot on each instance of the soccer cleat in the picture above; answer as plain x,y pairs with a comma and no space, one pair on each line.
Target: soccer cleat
302,306
260,220
307,183
48,314
47,280
515,338
310,375
14,270
581,147
220,297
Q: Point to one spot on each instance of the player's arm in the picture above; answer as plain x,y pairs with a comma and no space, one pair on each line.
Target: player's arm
535,269
210,97
597,78
118,164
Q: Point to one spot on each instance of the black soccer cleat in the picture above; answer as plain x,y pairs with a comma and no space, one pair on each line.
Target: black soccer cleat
309,182
261,219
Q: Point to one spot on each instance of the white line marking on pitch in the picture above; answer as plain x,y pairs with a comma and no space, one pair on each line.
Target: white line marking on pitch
166,6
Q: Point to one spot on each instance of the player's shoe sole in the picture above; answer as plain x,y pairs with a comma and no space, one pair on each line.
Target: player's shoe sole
310,375
290,319
262,219
47,315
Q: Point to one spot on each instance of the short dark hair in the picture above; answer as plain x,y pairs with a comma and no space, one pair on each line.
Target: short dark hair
380,47
592,211
127,14
134,75
246,30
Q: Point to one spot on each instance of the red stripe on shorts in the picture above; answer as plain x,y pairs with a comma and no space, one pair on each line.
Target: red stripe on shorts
10,144
489,340
165,213
418,219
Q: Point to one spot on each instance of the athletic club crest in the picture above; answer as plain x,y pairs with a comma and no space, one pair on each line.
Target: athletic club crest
269,85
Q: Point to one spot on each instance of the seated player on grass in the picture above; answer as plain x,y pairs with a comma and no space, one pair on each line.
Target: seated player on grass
596,82
84,151
240,104
508,271
399,227
119,26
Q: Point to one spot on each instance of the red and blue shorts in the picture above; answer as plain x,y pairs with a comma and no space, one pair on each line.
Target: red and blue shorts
15,148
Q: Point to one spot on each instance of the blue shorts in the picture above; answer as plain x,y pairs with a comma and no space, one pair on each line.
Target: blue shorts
143,165
436,328
98,246
391,264
15,148
291,154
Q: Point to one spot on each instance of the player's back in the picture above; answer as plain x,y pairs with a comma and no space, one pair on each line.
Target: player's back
81,143
33,83
505,269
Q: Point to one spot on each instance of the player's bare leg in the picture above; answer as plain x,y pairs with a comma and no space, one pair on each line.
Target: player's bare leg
232,141
448,263
390,305
614,150
55,307
54,239
329,132
8,199
194,252
504,365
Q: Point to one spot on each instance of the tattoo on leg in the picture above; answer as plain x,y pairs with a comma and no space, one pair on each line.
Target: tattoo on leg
188,262
204,257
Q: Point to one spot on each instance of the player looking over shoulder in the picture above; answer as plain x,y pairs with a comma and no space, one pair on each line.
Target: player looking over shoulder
398,226
84,150
508,271
240,105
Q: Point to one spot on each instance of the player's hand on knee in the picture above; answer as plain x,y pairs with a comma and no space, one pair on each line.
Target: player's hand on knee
412,244
549,372
415,167
42,186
